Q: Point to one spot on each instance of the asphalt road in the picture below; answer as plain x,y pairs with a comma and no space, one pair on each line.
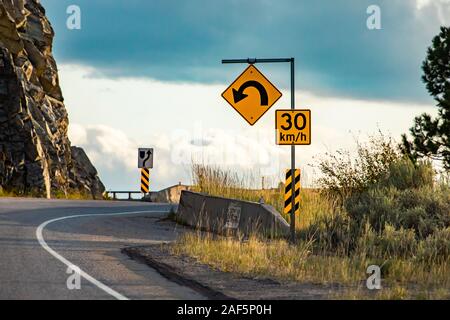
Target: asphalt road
40,238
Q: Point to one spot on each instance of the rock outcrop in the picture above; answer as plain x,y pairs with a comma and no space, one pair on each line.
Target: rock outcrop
36,156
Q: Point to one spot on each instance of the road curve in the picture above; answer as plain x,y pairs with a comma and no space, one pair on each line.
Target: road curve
40,238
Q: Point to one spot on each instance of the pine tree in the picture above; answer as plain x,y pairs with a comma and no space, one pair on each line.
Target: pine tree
431,136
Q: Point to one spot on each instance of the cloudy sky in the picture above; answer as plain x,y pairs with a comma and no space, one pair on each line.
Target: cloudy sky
148,73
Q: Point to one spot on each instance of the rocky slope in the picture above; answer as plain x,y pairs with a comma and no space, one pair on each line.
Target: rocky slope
36,156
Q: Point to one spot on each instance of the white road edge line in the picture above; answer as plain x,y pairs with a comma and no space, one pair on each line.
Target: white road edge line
83,274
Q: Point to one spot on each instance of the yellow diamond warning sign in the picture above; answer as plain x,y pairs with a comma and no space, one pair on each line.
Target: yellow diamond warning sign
293,127
251,94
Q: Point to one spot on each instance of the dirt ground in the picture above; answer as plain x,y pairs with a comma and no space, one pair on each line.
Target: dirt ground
216,284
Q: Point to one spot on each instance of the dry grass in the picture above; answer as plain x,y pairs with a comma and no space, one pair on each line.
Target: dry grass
218,182
14,193
73,195
254,257
402,278
334,249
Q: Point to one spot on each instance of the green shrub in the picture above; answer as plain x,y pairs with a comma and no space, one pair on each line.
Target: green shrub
374,206
435,247
395,243
345,174
395,209
424,210
404,174
331,233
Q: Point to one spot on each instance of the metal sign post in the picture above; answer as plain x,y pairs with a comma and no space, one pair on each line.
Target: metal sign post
252,61
293,152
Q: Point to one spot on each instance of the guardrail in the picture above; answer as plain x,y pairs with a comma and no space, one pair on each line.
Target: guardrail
115,193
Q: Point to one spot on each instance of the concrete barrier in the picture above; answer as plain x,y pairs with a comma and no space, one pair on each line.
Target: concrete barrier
168,195
228,216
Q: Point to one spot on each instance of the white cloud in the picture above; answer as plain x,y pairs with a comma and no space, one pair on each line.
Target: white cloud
439,8
114,154
111,118
420,4
77,134
105,145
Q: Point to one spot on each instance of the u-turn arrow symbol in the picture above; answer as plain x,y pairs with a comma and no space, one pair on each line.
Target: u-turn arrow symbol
239,94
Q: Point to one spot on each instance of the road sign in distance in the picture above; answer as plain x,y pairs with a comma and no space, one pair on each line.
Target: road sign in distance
293,127
145,158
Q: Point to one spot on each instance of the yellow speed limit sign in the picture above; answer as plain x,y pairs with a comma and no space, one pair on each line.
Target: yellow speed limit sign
293,127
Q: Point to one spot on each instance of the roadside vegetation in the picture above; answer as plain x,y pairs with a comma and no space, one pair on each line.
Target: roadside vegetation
384,206
13,193
73,195
58,194
375,208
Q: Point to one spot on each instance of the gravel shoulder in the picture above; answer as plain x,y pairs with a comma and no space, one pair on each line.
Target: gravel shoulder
215,284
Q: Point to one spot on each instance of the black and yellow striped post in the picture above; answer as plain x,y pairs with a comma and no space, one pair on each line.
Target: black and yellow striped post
145,180
288,191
